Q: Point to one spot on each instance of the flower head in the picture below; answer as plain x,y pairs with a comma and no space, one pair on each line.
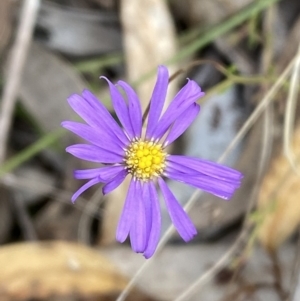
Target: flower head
124,151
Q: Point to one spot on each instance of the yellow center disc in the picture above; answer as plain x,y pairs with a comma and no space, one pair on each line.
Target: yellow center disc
145,159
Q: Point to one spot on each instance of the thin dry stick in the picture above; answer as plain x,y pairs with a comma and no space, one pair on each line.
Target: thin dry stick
267,138
264,157
263,104
247,125
13,181
277,274
218,266
18,57
24,218
85,221
259,109
290,113
295,273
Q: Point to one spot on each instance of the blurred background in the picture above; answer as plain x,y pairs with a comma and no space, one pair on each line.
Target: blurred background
244,54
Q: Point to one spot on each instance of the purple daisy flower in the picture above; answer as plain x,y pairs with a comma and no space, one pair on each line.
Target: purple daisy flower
124,151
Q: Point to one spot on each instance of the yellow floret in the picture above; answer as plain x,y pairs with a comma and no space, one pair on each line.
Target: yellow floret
145,159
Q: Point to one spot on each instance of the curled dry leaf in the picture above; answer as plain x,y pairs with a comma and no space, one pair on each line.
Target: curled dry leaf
278,202
149,40
40,271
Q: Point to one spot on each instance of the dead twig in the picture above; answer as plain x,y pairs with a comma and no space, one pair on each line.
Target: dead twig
248,290
25,222
88,214
295,275
277,275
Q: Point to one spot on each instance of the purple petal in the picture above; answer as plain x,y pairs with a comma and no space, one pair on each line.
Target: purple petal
84,188
158,99
93,153
87,109
182,123
120,108
148,208
155,224
84,110
113,184
188,95
220,188
105,173
104,117
98,136
138,226
135,110
206,167
128,213
178,216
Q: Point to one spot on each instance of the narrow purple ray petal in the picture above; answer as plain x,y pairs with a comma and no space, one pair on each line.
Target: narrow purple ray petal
135,110
156,223
104,117
93,153
178,216
84,188
128,213
138,228
187,171
188,95
158,99
215,186
84,110
120,107
105,173
148,208
113,184
182,123
206,167
99,137
88,112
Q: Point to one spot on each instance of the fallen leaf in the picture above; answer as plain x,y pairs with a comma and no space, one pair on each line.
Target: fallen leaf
278,200
42,270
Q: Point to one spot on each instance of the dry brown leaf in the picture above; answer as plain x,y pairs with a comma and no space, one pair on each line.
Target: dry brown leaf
149,38
41,270
278,201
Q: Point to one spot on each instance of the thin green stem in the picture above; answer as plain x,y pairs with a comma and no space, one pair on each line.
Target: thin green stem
31,151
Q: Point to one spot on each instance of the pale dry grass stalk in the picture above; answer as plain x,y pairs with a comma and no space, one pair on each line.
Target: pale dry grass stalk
220,264
290,112
250,121
15,67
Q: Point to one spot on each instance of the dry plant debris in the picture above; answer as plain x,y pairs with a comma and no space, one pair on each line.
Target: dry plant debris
40,271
